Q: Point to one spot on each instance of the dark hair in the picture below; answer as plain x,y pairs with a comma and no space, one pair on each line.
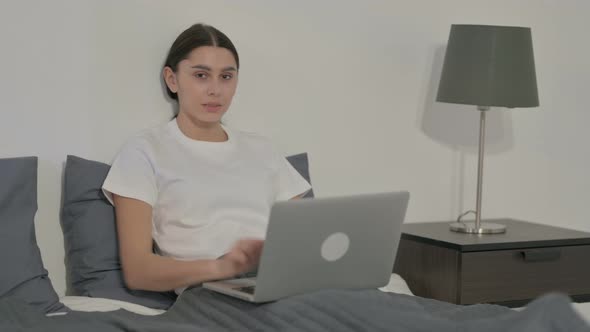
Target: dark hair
196,36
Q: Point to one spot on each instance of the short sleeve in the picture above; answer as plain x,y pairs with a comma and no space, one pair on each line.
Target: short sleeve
288,182
131,175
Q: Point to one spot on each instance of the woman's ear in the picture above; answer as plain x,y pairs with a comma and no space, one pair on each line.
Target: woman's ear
170,79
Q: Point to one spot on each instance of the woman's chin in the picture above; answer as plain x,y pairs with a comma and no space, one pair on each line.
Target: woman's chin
209,118
206,117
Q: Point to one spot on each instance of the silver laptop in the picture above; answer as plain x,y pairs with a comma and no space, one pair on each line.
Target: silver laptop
311,244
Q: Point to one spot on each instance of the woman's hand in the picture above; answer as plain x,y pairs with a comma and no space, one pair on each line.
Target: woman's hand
243,257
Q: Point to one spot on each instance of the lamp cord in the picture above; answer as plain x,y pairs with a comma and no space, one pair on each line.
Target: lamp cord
463,215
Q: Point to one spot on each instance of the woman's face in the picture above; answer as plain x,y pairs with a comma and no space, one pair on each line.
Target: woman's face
205,83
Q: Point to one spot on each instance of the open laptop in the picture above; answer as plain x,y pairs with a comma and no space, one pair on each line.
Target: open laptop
311,244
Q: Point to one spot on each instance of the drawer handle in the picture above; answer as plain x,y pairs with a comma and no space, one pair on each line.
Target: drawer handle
543,255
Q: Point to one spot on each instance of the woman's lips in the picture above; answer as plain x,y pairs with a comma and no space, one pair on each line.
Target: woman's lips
212,107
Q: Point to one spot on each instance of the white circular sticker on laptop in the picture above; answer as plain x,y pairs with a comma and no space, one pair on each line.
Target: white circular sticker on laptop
335,246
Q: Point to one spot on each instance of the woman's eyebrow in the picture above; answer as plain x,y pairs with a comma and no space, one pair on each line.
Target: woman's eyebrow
207,68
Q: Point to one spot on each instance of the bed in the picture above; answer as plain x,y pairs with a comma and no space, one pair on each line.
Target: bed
28,300
203,310
88,304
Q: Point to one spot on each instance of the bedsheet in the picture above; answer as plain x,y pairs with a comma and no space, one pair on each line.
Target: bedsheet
198,309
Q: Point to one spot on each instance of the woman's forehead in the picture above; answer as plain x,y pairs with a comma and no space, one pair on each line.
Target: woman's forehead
215,58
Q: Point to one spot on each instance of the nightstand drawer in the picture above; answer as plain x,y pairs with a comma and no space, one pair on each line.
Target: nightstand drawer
508,275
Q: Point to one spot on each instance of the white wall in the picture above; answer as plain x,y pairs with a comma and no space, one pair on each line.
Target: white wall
353,83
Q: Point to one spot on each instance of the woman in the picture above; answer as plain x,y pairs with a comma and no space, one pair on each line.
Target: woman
195,189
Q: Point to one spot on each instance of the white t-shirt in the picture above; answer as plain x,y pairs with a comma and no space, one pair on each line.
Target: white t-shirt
204,195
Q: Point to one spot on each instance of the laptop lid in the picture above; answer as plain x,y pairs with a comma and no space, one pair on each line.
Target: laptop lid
339,242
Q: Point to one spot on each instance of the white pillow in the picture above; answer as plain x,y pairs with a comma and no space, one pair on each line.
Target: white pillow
397,285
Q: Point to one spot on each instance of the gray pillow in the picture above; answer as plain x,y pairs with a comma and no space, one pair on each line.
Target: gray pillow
90,239
90,235
23,275
301,164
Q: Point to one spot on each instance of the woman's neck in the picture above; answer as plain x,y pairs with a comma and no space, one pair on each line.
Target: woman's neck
201,131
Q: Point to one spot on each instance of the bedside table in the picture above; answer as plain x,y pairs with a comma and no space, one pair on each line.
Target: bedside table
509,269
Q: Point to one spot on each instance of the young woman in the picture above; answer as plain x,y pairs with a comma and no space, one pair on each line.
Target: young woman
196,191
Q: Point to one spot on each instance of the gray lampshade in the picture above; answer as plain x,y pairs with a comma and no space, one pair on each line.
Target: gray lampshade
489,66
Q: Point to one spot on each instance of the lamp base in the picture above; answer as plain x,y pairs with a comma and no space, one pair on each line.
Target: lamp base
484,228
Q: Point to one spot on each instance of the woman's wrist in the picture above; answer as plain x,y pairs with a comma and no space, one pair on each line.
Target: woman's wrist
206,270
219,269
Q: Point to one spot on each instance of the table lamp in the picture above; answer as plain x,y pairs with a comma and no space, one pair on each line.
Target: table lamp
487,66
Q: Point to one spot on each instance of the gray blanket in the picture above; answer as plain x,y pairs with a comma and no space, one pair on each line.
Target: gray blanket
330,310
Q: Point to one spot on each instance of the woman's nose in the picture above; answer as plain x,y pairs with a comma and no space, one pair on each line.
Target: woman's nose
213,89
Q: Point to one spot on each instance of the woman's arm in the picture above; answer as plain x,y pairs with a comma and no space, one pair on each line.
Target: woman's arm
142,269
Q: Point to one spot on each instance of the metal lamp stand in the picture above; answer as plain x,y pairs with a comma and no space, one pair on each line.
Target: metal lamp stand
478,227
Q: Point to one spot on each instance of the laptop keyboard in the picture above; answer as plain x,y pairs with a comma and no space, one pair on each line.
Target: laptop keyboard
247,289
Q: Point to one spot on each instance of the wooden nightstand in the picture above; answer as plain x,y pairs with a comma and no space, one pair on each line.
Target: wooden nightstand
509,269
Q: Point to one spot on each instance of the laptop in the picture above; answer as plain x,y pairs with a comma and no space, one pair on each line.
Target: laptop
347,242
